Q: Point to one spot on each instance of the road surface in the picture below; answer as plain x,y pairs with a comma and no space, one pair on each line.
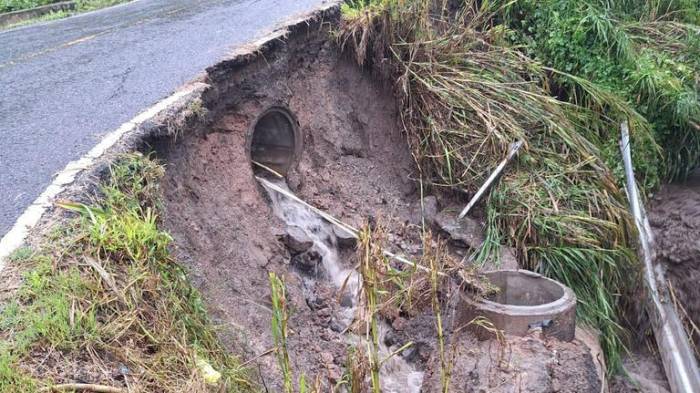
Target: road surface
66,83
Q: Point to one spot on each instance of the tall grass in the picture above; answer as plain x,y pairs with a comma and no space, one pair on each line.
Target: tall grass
465,94
279,329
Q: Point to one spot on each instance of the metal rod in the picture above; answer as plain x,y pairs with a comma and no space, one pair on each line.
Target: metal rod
676,355
514,147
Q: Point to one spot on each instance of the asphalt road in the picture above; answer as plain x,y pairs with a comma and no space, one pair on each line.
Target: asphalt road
66,83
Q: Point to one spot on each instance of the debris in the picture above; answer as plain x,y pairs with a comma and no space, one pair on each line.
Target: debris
307,261
87,387
344,237
465,230
297,240
514,147
211,376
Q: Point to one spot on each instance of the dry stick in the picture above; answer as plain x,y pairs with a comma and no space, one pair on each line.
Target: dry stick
514,147
677,357
347,228
67,387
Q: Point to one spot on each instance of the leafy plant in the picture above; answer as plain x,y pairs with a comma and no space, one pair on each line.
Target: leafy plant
466,92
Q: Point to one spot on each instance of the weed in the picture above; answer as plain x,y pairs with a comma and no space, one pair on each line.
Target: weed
372,257
21,254
466,93
107,288
279,329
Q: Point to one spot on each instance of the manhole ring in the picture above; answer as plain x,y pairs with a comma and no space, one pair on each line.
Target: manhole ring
526,301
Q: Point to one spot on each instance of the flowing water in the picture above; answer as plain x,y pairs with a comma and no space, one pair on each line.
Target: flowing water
396,375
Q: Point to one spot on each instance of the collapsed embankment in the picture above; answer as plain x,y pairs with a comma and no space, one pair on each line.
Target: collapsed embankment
343,151
346,156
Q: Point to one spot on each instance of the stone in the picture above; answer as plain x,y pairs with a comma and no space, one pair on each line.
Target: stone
508,259
307,261
345,238
430,207
465,230
346,300
297,240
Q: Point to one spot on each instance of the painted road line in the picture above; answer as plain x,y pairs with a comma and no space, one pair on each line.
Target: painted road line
31,216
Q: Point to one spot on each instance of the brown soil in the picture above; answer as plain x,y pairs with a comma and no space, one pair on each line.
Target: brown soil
355,165
517,364
675,220
674,216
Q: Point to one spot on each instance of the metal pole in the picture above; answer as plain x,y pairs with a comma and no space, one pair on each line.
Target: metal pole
676,355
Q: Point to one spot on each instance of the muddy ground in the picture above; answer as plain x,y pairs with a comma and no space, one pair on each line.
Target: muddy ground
356,165
675,220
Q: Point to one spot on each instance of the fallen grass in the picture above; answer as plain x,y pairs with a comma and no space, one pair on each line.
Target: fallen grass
465,95
103,302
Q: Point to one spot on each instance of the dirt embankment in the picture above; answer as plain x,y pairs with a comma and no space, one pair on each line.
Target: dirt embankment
356,165
675,220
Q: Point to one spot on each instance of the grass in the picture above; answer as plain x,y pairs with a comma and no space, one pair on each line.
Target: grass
279,329
80,7
466,92
103,291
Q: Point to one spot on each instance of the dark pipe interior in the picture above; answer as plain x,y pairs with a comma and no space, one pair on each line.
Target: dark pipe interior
273,142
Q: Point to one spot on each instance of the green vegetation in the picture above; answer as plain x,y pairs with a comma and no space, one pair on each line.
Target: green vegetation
16,5
559,75
81,5
104,287
645,51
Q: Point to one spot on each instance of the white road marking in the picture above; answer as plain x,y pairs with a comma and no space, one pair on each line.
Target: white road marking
31,216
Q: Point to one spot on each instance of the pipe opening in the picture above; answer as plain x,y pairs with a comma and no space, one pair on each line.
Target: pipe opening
518,289
274,143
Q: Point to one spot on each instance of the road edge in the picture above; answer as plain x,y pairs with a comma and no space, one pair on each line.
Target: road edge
157,118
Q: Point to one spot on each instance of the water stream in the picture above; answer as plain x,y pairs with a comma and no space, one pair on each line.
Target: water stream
396,375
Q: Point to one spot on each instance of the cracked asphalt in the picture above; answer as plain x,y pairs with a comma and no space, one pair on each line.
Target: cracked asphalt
66,83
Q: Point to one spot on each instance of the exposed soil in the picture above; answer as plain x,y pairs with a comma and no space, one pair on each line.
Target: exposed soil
675,220
674,216
355,165
517,364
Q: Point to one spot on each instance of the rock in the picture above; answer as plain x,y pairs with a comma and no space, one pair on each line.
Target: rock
390,338
346,300
337,326
345,238
307,261
430,207
326,358
297,240
508,259
465,230
334,373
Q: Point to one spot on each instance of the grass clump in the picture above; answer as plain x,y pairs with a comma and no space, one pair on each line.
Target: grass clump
646,51
466,93
104,294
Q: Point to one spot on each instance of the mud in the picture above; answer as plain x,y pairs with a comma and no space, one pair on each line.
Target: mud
517,364
674,216
354,164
